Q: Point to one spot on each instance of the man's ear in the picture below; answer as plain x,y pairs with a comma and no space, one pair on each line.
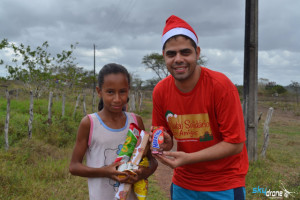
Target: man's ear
198,50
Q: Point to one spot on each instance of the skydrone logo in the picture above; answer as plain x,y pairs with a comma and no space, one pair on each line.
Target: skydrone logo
274,194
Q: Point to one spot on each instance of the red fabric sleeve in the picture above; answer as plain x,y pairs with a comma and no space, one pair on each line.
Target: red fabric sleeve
158,115
230,117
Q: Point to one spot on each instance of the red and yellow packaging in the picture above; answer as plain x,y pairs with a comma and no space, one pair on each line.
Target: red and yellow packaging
141,145
132,138
157,139
140,188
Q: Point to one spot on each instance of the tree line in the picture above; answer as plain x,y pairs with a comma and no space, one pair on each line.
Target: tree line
40,72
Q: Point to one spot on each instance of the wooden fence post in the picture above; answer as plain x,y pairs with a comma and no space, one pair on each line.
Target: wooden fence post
63,105
132,103
93,101
17,94
266,132
140,101
77,103
84,106
7,120
30,116
50,103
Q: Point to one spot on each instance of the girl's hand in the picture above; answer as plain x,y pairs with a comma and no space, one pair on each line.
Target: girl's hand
131,179
142,173
114,174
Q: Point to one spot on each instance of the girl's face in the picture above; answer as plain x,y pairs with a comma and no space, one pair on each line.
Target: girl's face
114,92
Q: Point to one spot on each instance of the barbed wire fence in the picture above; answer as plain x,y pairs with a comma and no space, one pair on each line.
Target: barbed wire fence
134,105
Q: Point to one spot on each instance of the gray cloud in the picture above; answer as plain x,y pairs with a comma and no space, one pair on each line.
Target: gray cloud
126,30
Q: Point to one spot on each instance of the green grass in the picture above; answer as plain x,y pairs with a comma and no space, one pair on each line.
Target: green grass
290,131
282,162
38,168
155,192
33,169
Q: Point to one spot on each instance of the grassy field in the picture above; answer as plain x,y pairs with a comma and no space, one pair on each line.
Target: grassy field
281,167
38,168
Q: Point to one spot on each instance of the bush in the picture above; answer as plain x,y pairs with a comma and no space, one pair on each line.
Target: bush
61,132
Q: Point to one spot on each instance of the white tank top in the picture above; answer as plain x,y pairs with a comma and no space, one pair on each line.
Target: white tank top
103,147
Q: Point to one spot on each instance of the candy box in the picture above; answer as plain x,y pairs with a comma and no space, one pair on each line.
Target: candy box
157,139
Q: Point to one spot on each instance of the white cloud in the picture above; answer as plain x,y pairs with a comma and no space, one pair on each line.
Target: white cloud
125,31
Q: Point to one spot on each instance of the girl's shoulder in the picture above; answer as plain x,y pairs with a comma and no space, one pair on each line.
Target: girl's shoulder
85,120
137,119
133,116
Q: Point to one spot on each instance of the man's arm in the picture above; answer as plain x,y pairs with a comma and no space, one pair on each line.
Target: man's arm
215,152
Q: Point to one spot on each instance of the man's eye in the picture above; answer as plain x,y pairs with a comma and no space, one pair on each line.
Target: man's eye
185,52
171,53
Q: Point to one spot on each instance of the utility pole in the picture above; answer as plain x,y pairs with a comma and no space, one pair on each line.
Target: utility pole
250,77
94,88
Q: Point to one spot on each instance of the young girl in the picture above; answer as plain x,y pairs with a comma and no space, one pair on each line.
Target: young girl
102,134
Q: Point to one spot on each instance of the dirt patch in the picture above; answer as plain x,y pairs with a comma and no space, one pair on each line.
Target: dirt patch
163,175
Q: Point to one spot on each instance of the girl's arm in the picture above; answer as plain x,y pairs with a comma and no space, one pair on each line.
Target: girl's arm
76,166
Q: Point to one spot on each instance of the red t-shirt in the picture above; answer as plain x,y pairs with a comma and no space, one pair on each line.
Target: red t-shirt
207,115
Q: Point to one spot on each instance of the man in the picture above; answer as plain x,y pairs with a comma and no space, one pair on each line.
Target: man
201,109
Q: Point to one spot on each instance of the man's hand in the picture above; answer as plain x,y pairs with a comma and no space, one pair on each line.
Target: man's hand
173,159
168,141
215,152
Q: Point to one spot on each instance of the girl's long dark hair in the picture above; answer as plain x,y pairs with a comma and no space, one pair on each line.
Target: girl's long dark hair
111,68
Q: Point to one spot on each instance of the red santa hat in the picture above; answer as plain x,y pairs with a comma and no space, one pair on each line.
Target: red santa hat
177,26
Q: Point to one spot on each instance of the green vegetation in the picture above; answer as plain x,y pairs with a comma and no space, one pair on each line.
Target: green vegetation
37,168
33,169
281,167
155,192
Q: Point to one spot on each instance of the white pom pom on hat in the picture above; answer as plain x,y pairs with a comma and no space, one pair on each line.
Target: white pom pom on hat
176,26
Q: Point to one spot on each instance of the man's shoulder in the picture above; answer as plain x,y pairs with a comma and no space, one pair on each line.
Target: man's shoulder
213,74
217,78
164,83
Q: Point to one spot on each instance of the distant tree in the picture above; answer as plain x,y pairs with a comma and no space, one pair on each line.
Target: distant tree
71,77
296,88
279,89
202,60
270,85
262,82
156,63
275,88
3,44
150,83
240,89
136,82
34,67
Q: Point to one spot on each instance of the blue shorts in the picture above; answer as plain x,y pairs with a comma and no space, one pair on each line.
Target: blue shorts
179,193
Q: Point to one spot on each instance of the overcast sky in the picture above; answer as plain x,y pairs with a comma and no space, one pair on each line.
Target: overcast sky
124,31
